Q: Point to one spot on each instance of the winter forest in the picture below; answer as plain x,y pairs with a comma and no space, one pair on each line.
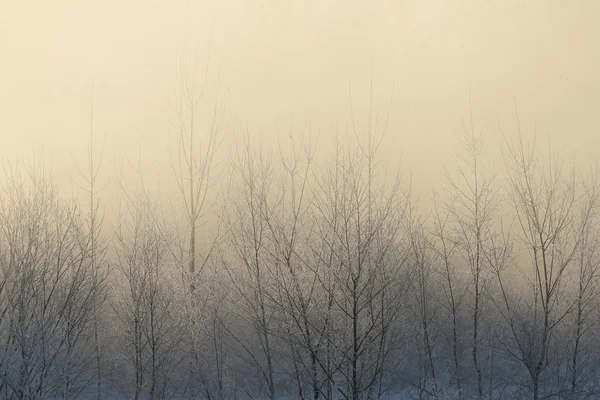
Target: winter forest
298,263
318,277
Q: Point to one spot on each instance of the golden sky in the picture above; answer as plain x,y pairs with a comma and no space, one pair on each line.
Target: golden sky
280,58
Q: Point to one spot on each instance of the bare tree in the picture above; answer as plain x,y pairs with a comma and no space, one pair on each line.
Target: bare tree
251,265
291,223
97,245
362,229
147,298
444,247
48,291
193,159
587,262
546,207
423,260
199,131
471,205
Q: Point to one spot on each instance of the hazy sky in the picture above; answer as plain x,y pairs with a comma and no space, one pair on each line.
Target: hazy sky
277,58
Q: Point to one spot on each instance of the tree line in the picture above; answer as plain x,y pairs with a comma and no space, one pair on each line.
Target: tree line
323,277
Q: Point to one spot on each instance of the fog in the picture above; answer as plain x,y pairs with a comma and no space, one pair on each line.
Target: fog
290,263
276,59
